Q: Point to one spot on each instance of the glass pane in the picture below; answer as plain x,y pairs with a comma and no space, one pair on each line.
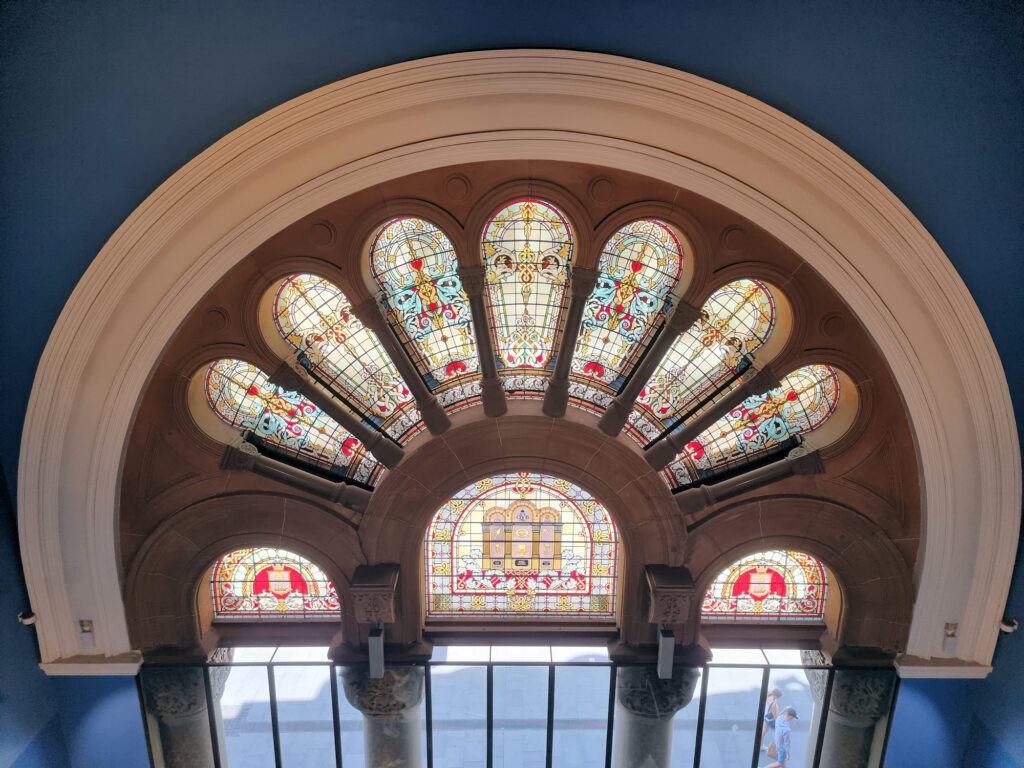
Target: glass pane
459,699
520,716
581,716
462,653
786,657
737,656
304,715
261,654
350,721
796,693
301,653
560,653
245,712
539,653
684,729
730,720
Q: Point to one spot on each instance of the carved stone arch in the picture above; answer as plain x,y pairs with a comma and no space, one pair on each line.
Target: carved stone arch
575,212
407,498
162,582
875,581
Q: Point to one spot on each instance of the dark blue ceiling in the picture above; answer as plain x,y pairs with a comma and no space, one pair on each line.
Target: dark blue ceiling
102,101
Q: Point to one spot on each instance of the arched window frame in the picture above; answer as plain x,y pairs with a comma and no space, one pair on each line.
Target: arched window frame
771,586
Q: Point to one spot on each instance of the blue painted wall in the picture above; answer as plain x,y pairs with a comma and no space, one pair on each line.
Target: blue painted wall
102,101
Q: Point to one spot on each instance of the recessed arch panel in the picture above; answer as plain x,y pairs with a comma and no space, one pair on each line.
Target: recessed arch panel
267,583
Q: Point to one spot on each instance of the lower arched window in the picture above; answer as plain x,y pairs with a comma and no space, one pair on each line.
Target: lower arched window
777,585
521,544
268,583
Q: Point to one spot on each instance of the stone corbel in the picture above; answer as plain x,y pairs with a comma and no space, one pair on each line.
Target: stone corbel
373,589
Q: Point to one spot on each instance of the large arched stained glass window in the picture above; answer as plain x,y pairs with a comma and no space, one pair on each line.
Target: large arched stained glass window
736,320
639,268
760,424
768,586
284,422
527,250
521,544
267,583
316,318
415,266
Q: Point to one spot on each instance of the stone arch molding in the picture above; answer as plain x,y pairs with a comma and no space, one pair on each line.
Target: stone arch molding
498,105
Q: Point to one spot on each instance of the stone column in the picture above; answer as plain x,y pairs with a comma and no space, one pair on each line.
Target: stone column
391,714
246,457
857,712
752,382
557,396
370,315
644,708
177,717
292,376
799,461
491,392
615,417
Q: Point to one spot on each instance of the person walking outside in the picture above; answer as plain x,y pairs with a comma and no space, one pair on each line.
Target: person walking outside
783,723
771,711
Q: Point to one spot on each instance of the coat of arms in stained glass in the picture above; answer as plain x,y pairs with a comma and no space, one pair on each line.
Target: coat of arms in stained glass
768,586
527,251
316,318
639,268
241,395
521,544
267,583
415,266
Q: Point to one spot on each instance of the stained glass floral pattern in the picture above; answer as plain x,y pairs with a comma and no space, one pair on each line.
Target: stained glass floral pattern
639,268
240,394
266,583
527,250
415,267
736,320
768,586
805,399
316,318
521,544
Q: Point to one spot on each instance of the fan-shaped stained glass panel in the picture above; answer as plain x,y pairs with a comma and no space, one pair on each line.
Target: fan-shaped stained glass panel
805,399
639,269
522,544
768,586
527,248
285,422
415,266
736,320
316,318
266,583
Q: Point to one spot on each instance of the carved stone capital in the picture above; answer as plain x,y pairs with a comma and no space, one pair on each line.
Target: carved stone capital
370,314
172,693
661,453
759,381
400,689
239,457
862,695
682,317
805,462
493,396
219,675
643,693
473,279
373,590
818,678
672,594
615,417
582,283
556,398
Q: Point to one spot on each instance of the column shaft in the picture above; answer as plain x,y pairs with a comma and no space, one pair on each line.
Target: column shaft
292,376
752,382
557,396
491,391
615,417
371,316
177,716
644,708
391,714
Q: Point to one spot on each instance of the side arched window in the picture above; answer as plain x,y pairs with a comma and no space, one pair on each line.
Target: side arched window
264,583
777,585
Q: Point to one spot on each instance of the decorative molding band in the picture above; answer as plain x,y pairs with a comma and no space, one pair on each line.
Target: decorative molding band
464,108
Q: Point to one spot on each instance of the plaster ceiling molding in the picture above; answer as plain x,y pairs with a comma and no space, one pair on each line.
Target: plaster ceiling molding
614,112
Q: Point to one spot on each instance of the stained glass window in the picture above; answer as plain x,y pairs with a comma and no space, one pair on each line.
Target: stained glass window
768,586
316,318
521,544
266,583
639,268
414,265
285,422
736,320
527,249
805,399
